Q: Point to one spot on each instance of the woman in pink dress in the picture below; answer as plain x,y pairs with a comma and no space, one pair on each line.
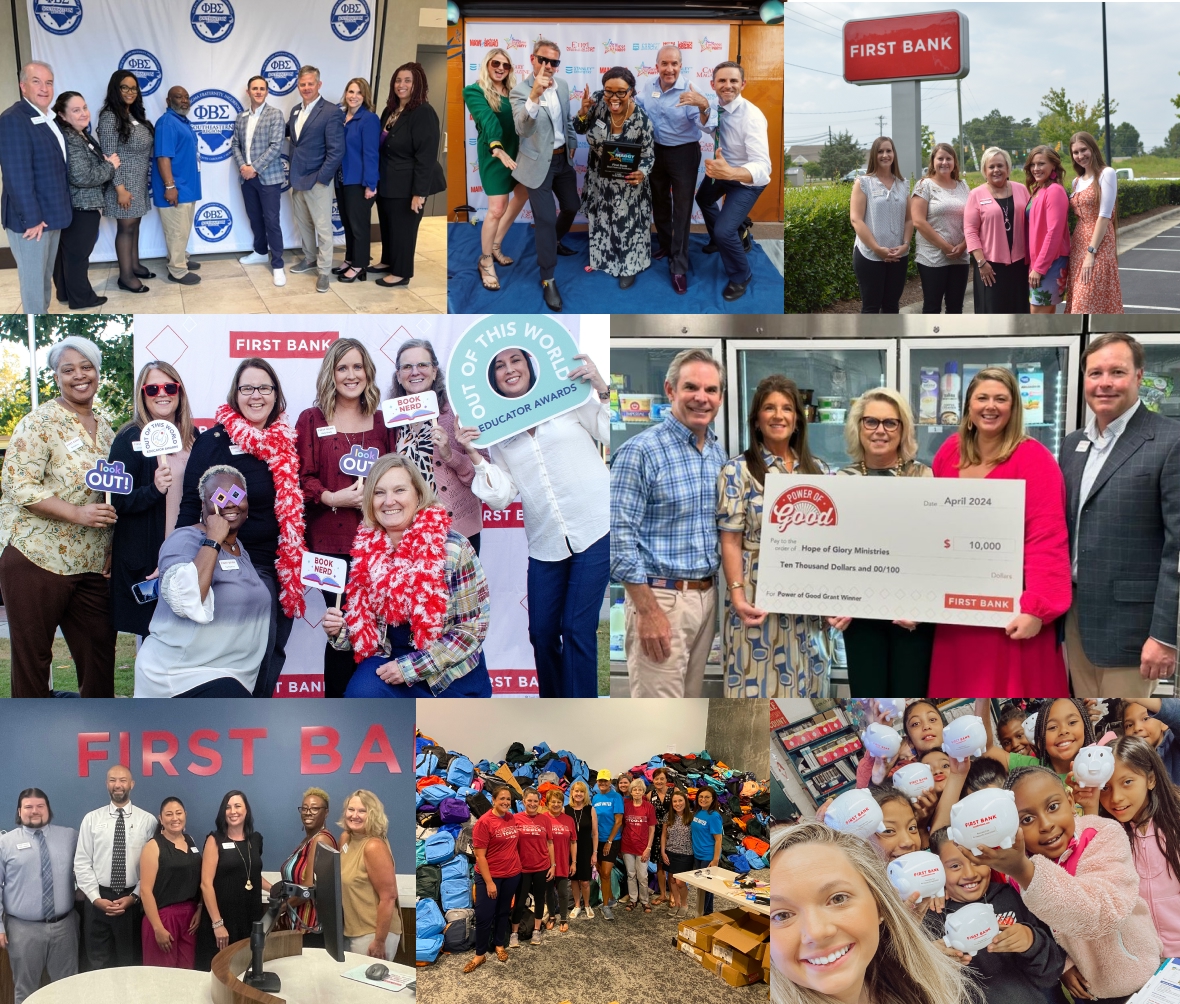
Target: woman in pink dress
1023,658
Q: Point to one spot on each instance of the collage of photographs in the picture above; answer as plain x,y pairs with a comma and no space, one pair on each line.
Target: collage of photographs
471,349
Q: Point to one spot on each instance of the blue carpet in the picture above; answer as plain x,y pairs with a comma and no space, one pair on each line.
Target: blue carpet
596,292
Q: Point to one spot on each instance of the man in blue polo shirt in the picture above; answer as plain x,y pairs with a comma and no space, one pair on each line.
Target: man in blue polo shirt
608,808
176,184
678,113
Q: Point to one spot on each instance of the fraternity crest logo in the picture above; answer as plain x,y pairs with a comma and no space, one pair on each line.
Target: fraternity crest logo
212,114
803,505
286,173
281,70
707,46
337,223
350,19
58,17
146,69
213,222
212,20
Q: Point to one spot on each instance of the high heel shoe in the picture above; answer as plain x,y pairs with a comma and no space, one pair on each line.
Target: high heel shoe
342,269
131,289
500,256
384,282
360,276
487,272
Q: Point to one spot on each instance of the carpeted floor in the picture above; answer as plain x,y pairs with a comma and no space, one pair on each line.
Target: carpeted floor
631,960
597,292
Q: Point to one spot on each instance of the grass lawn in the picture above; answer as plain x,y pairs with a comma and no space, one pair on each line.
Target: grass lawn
604,659
65,674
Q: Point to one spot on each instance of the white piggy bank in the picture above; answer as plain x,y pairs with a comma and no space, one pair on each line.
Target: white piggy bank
1029,725
915,779
894,705
918,872
972,928
985,818
964,737
881,741
855,812
1093,766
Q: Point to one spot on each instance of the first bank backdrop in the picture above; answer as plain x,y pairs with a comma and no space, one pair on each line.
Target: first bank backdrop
211,48
199,750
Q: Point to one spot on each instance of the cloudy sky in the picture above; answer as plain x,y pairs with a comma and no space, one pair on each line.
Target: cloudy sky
1018,51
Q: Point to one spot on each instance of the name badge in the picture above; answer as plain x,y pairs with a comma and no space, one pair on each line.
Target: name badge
194,850
880,193
228,845
228,564
986,202
74,445
25,846
655,93
137,446
326,430
235,450
1083,446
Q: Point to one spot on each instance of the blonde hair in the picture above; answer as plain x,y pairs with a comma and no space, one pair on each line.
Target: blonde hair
907,968
366,93
580,785
907,447
182,418
994,151
485,79
376,822
1014,435
320,794
384,465
325,383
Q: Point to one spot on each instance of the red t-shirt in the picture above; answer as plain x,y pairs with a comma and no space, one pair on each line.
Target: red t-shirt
498,836
562,829
636,820
535,834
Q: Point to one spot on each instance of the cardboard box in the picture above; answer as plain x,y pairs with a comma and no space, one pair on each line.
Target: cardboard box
742,943
732,957
736,978
691,951
712,964
699,931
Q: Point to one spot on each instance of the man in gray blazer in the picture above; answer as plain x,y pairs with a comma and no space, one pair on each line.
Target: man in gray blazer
545,160
316,131
257,153
1122,480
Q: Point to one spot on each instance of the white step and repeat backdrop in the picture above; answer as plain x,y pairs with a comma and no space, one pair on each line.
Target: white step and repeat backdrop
211,48
206,349
588,50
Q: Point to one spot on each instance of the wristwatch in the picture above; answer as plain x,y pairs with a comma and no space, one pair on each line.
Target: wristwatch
1092,250
206,542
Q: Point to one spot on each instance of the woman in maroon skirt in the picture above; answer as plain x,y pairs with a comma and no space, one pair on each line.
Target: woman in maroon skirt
170,888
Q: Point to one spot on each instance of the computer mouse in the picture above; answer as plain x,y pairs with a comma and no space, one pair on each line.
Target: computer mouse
377,971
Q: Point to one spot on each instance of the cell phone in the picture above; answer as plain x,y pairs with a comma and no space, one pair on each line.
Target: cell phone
147,591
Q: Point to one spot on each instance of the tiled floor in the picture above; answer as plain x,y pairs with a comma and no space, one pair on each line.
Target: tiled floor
227,287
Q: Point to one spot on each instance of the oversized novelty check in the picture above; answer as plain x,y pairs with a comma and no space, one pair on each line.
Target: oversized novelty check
917,549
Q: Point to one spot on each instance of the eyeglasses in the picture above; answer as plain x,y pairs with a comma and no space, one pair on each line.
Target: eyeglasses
499,64
310,810
416,367
128,88
265,389
169,389
555,63
871,424
615,91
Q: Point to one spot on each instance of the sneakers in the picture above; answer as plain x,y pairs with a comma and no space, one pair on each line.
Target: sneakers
536,938
589,912
322,284
514,941
188,279
575,912
606,912
280,277
304,265
254,258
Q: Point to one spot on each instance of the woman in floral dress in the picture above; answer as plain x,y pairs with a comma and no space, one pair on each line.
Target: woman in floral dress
618,209
1093,262
766,654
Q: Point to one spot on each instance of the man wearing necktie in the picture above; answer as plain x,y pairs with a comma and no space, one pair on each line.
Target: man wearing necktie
106,866
38,925
35,206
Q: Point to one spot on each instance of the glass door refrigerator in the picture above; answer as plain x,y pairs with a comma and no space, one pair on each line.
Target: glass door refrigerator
1160,336
935,374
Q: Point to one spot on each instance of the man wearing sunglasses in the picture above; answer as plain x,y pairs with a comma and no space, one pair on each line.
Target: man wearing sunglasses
545,161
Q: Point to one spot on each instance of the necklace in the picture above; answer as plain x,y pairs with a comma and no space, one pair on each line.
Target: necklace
578,813
247,861
894,468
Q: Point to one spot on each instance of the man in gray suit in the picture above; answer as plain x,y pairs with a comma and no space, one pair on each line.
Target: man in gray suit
257,153
545,160
1122,480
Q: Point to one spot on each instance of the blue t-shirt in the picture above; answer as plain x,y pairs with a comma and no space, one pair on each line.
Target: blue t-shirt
607,806
176,139
705,826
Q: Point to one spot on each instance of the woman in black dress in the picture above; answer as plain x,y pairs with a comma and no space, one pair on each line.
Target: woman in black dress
586,826
231,878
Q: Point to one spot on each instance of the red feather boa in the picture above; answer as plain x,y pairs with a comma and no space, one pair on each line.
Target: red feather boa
275,446
399,584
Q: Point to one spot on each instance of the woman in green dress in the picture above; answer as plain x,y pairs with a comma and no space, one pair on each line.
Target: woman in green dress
487,101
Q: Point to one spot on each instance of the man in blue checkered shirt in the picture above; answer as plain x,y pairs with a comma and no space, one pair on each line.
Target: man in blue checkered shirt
663,524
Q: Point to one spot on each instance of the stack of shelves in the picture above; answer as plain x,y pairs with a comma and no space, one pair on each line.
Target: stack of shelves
823,750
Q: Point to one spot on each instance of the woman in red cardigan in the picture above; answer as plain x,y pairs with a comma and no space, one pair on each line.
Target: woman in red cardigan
1023,657
1048,230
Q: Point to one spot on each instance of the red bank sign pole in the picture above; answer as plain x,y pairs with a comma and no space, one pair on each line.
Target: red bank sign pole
904,51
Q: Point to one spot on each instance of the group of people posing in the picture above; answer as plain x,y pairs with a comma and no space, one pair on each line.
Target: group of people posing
528,136
150,891
550,853
59,180
1086,894
1014,237
229,517
681,511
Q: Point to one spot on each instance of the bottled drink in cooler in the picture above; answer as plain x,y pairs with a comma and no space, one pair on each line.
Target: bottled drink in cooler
618,632
928,395
952,388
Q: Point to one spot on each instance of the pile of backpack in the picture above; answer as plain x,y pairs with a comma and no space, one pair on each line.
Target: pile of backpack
454,791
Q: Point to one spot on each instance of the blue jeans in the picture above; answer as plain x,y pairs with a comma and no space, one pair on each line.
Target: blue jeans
704,863
365,682
565,598
262,206
723,223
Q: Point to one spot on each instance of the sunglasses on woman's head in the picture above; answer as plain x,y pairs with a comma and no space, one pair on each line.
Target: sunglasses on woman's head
170,389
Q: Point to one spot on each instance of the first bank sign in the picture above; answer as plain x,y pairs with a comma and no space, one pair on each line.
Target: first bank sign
909,47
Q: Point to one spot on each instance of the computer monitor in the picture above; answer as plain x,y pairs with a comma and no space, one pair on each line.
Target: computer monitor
328,902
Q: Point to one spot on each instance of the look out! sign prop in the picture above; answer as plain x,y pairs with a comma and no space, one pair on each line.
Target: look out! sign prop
929,46
470,377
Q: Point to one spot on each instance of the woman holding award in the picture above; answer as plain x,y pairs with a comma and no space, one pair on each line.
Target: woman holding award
615,199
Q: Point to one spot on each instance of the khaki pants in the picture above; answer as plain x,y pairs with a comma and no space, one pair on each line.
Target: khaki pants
692,614
177,222
313,217
1099,681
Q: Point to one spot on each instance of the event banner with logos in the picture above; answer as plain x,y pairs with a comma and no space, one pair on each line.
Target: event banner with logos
915,549
207,349
211,48
588,50
199,750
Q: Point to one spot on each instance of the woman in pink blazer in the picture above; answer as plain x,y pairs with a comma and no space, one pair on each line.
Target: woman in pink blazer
995,227
1048,230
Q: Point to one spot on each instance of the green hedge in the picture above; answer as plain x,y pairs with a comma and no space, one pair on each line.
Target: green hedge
1141,196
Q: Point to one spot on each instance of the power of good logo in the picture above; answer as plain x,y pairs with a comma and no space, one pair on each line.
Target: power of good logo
350,19
281,70
213,222
212,20
212,114
803,505
146,68
58,17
